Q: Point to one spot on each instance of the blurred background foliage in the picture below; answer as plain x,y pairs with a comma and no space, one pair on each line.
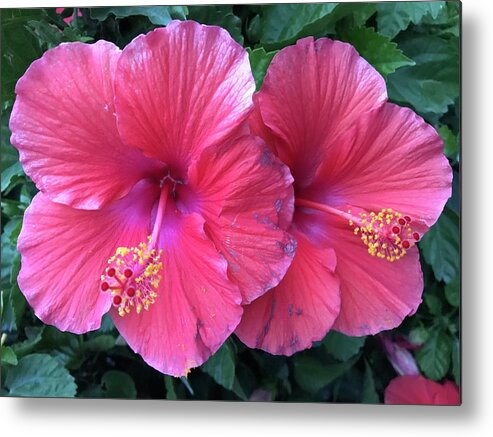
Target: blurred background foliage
414,45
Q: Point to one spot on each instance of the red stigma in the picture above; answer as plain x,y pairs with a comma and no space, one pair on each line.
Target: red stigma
130,292
128,273
416,236
111,272
405,244
117,300
105,286
396,229
402,222
408,219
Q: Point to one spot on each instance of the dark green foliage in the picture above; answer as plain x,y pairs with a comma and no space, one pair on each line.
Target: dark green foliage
369,393
377,49
396,16
220,15
221,366
435,356
440,246
342,347
433,83
40,375
159,15
19,47
415,46
260,61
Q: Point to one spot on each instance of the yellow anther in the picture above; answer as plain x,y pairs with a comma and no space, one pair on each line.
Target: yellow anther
133,277
386,233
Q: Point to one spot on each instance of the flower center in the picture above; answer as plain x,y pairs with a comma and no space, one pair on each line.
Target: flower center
132,277
387,234
134,273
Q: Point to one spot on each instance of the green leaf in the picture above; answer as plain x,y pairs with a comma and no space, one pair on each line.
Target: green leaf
452,292
159,15
102,343
434,357
451,145
238,390
419,335
218,15
254,29
312,375
107,325
433,83
170,388
64,346
392,17
260,61
245,381
9,153
350,15
14,302
49,35
19,47
446,23
221,366
12,208
8,356
342,347
118,384
456,360
369,393
434,303
454,202
11,177
440,247
39,375
18,302
283,24
377,49
34,336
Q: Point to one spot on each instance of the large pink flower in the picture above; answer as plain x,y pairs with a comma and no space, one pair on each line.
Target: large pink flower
416,389
369,177
153,204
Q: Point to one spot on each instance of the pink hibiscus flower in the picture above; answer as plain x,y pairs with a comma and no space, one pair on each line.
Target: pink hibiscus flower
153,204
369,177
416,389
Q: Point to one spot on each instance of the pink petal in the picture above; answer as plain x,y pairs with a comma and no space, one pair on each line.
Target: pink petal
64,126
181,89
313,92
300,310
197,307
246,196
64,252
376,295
412,389
391,158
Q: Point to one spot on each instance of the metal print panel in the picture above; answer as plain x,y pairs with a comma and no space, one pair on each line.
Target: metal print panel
232,202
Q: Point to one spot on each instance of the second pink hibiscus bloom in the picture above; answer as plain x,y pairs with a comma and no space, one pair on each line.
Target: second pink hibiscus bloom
370,178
